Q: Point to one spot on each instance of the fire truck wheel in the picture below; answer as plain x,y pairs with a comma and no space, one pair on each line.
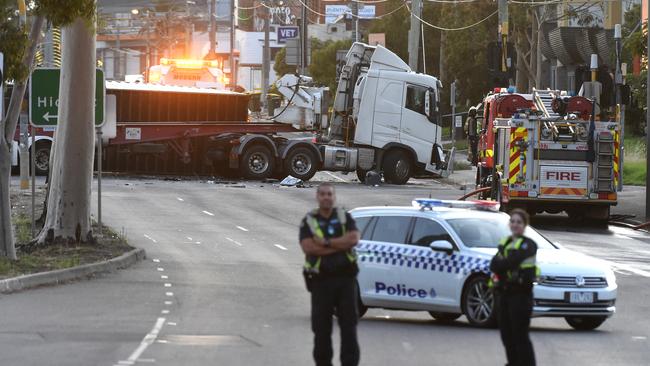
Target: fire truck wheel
598,215
257,162
301,163
398,167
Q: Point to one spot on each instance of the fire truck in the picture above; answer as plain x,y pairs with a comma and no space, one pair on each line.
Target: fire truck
547,152
188,72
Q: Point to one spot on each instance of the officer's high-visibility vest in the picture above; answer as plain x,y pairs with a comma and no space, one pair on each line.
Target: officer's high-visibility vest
528,263
314,226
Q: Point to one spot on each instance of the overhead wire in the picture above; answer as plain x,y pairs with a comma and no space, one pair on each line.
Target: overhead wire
350,14
449,29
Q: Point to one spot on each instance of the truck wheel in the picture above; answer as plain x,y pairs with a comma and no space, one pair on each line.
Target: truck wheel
361,175
301,163
257,163
478,303
42,158
398,167
586,322
598,215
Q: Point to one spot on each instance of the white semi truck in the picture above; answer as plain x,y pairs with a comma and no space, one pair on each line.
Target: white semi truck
384,118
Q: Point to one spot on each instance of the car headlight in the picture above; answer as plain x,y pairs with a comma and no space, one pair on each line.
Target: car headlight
611,277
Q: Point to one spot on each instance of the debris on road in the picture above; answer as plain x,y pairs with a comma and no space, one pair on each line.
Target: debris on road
291,181
373,179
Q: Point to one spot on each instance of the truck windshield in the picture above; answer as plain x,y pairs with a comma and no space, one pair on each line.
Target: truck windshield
486,232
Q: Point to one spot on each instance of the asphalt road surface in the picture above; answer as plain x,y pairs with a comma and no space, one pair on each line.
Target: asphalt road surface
222,285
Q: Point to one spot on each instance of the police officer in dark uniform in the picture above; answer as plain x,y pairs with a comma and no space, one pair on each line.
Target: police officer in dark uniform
513,272
327,237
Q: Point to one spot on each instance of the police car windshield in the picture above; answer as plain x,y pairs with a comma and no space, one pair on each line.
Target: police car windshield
486,232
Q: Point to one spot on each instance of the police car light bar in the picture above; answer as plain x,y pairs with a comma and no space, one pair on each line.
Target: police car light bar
431,203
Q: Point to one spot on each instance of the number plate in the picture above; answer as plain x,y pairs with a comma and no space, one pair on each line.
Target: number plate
581,297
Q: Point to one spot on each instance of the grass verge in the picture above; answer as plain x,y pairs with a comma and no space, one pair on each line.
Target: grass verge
109,245
634,165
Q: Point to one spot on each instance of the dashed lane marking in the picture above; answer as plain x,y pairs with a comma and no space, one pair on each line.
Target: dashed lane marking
165,311
146,342
234,241
168,285
280,247
156,260
160,269
180,199
163,277
335,177
150,238
208,213
188,238
242,228
169,294
173,324
168,302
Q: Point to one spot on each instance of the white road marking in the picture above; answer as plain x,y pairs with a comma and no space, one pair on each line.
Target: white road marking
168,285
234,241
335,177
150,238
168,302
165,312
162,341
169,294
208,213
160,269
146,360
180,199
171,323
146,342
639,338
280,247
242,228
156,260
198,242
628,268
164,277
188,238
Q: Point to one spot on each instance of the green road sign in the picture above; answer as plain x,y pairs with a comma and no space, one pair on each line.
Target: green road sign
44,97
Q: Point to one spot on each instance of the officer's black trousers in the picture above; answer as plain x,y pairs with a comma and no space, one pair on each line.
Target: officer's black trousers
327,296
473,146
513,311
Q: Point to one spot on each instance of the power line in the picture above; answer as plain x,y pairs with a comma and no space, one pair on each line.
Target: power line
450,29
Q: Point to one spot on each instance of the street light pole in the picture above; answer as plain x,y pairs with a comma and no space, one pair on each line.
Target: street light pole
618,84
266,58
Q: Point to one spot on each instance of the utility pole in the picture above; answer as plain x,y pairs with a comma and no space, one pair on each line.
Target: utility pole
213,31
116,58
355,20
233,69
647,123
304,57
618,84
503,37
266,56
414,34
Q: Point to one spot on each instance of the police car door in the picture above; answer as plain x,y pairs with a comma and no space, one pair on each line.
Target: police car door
432,272
381,256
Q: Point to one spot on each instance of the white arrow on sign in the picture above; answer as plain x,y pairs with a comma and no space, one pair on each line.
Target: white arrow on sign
47,116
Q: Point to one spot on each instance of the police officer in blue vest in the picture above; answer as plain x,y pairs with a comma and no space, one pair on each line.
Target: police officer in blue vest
327,236
514,270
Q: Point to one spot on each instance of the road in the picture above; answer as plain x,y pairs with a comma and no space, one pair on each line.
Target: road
222,286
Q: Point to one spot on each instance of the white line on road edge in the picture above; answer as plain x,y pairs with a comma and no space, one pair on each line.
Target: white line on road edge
208,213
242,228
146,342
150,238
335,177
280,247
234,242
180,199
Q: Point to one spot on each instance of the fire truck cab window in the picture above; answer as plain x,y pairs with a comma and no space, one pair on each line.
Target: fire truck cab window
415,96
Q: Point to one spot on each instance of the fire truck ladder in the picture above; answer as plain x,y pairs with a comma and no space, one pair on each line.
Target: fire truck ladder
605,162
543,101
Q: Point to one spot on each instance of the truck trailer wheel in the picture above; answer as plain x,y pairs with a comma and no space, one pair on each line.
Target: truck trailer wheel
42,158
398,167
257,162
301,163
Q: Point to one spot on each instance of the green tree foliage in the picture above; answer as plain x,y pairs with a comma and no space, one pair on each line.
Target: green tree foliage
280,66
13,42
323,61
64,12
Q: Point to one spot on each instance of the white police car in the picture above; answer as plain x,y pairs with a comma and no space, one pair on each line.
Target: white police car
434,256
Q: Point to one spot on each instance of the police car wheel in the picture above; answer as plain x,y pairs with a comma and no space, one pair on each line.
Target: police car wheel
444,317
585,322
478,303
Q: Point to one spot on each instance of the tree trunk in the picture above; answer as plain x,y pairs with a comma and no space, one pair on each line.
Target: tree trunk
538,55
442,61
68,204
533,51
8,130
